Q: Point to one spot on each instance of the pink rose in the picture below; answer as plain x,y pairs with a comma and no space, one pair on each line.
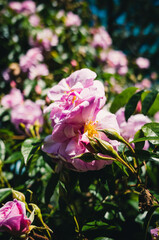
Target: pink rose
45,39
32,58
72,20
134,123
71,134
38,71
142,62
16,6
145,83
118,60
12,99
34,20
101,38
27,113
28,7
13,218
72,91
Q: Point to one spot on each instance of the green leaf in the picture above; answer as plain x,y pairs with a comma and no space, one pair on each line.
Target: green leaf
151,130
148,101
13,158
96,225
122,98
148,219
123,168
4,193
144,139
2,150
155,106
51,187
131,105
27,147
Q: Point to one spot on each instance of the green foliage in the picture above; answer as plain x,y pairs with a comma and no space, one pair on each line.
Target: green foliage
121,99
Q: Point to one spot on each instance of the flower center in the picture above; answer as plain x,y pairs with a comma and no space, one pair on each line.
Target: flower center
90,128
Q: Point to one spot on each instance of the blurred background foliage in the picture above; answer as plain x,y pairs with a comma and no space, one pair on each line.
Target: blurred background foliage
133,26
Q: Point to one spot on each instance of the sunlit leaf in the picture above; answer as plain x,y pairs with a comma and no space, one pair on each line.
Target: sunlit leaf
131,105
151,130
4,193
148,101
27,148
2,150
122,98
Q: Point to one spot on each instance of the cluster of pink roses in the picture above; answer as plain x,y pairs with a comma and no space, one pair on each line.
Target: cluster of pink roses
31,64
76,115
26,7
26,112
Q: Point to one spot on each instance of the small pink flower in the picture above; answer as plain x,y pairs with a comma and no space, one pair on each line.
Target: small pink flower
13,84
34,20
118,60
74,63
27,113
145,83
13,218
72,20
142,62
134,123
6,74
101,38
38,71
28,7
38,89
16,6
45,39
12,99
32,57
155,233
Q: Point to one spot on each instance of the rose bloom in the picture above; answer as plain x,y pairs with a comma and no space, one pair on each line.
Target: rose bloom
117,59
13,218
145,83
155,233
134,123
45,39
12,99
72,91
76,115
27,113
72,20
142,62
16,6
26,7
34,20
38,71
70,136
32,57
101,38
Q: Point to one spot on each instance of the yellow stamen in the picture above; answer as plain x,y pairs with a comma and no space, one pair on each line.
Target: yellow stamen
90,128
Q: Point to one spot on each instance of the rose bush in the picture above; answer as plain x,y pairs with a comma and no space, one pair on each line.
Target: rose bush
72,100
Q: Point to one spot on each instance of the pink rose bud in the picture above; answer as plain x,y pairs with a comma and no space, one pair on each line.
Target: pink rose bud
13,218
74,63
38,89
